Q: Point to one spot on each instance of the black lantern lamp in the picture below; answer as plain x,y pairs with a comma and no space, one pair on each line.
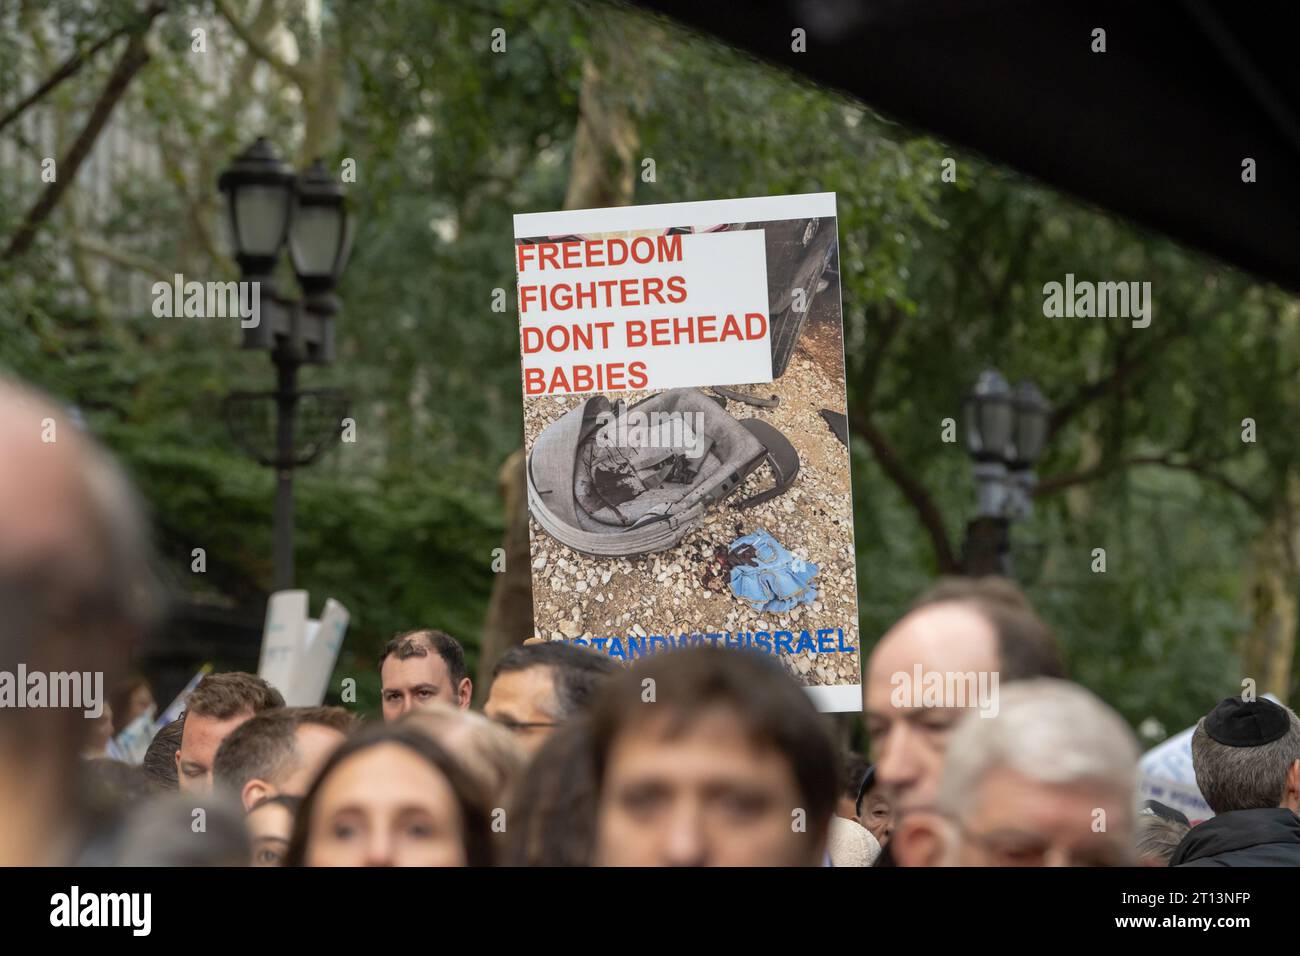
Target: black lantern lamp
1006,432
990,418
259,194
259,206
1032,413
320,239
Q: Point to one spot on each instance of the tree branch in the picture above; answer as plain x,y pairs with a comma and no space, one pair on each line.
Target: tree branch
122,257
295,75
133,57
889,327
916,494
1121,375
69,68
1055,483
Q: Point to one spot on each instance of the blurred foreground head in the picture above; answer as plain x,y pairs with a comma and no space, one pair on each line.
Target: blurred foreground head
492,755
77,594
968,635
1050,781
392,796
178,830
710,757
552,815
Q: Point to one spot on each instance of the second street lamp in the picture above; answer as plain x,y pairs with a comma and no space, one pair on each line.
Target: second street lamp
1006,431
320,237
320,240
1032,414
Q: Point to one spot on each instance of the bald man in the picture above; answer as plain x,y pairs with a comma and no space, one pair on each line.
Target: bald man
965,635
76,594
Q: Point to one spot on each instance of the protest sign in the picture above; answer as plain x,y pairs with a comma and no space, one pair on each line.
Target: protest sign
321,651
284,637
298,653
686,433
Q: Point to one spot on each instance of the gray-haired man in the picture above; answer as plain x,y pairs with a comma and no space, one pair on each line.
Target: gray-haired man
1049,782
1247,760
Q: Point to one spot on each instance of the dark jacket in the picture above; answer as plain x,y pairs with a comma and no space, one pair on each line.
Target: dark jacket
1242,838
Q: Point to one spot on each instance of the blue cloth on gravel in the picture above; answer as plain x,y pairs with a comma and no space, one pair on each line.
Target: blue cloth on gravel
778,581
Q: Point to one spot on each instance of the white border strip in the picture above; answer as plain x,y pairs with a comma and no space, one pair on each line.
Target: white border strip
662,216
836,698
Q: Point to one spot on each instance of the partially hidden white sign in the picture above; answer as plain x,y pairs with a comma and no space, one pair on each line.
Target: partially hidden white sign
324,638
284,638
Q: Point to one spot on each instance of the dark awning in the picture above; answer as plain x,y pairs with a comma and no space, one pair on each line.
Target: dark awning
1155,128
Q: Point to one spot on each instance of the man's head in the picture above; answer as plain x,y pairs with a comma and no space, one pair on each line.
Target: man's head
1157,838
1049,782
159,763
1247,756
278,752
492,755
853,770
875,811
710,757
77,592
537,687
961,633
423,667
219,704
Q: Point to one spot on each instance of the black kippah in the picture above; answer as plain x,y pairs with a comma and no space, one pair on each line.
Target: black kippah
1238,723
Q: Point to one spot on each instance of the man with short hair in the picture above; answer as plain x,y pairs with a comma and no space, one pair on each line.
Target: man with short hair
422,667
709,757
536,687
983,628
216,706
77,594
1247,760
278,752
1049,781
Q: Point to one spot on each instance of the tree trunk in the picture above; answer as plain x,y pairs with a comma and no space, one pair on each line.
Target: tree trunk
603,174
604,167
1268,647
510,610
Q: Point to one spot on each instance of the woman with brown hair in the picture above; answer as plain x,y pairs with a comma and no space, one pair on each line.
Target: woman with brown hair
391,796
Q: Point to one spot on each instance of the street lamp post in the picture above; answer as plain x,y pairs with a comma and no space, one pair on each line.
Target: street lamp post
1005,434
269,207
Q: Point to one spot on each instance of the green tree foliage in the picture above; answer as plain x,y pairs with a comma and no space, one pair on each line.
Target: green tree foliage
451,139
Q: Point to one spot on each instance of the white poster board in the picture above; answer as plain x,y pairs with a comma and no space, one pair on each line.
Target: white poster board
299,653
283,639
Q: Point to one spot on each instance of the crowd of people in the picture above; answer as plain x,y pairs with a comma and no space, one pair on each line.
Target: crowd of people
700,756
